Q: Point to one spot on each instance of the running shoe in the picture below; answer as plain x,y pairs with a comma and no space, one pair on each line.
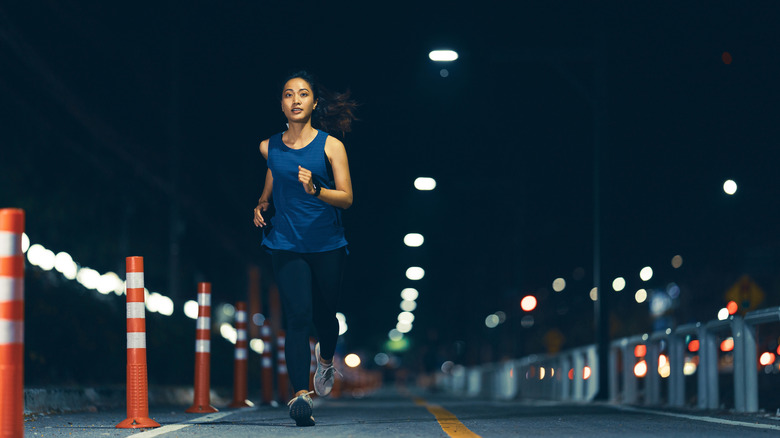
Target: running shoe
324,376
301,408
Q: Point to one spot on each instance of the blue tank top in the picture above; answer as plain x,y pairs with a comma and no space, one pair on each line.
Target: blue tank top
302,222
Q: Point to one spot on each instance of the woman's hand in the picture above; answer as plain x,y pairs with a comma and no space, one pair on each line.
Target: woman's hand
261,207
304,177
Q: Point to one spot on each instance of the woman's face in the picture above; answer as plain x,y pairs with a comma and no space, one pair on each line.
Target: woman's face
297,100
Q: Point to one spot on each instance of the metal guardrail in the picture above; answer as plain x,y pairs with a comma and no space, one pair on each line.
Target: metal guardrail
547,376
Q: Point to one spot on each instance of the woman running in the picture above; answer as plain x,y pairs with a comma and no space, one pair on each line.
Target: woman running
309,183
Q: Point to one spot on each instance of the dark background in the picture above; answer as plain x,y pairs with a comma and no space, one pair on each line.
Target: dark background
126,127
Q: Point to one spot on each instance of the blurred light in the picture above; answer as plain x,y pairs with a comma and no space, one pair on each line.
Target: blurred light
501,317
408,305
723,314
424,183
404,327
677,261
25,242
660,302
109,282
571,374
693,346
352,360
191,309
258,319
444,72
646,273
443,55
228,332
640,350
541,373
594,294
491,321
730,187
528,303
342,323
165,306
395,335
727,345
527,321
732,307
689,368
664,368
65,265
88,278
586,373
767,358
406,317
413,240
640,369
415,273
559,284
446,367
228,310
673,290
257,345
726,58
381,359
640,296
619,284
410,294
35,253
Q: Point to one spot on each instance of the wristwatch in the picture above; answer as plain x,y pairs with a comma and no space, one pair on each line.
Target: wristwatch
317,189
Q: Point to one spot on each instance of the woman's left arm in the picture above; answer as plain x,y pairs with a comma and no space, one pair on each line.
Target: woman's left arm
341,196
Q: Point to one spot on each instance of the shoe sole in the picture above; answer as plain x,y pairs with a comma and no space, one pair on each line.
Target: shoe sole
300,411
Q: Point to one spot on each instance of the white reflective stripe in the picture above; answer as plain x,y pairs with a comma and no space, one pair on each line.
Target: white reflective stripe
280,342
11,332
241,316
282,369
280,355
241,335
135,280
136,310
136,340
11,289
204,299
202,346
203,323
266,362
10,244
240,353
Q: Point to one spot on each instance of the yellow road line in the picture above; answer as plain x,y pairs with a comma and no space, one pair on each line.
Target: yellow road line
447,420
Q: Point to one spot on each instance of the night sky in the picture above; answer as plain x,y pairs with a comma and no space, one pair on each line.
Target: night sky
116,115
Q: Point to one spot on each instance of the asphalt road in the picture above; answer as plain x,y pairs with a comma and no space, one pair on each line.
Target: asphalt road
390,413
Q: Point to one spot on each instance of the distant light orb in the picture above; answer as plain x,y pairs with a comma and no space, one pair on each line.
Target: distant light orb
594,294
403,327
677,261
527,321
528,303
640,296
640,369
501,317
415,273
444,72
410,294
191,309
730,187
408,305
257,345
723,314
343,327
491,321
381,359
424,183
228,332
25,243
619,284
413,240
559,284
646,273
64,264
395,335
352,360
732,307
406,317
443,55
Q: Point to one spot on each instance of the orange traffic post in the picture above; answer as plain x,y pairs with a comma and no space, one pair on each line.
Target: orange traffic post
11,323
240,366
283,379
267,367
202,403
137,383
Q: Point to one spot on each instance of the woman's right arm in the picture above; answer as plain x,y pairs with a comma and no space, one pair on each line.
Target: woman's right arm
265,198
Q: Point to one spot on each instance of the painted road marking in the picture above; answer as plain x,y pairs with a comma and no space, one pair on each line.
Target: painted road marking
174,427
698,418
447,420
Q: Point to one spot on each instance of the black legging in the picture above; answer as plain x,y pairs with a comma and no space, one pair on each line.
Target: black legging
309,284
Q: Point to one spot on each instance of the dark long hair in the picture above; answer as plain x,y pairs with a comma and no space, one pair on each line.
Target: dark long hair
334,111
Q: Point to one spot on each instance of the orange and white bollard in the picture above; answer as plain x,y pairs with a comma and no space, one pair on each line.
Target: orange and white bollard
137,383
267,366
202,402
282,378
11,323
240,366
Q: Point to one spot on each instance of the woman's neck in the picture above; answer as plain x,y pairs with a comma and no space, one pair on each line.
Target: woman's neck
302,132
